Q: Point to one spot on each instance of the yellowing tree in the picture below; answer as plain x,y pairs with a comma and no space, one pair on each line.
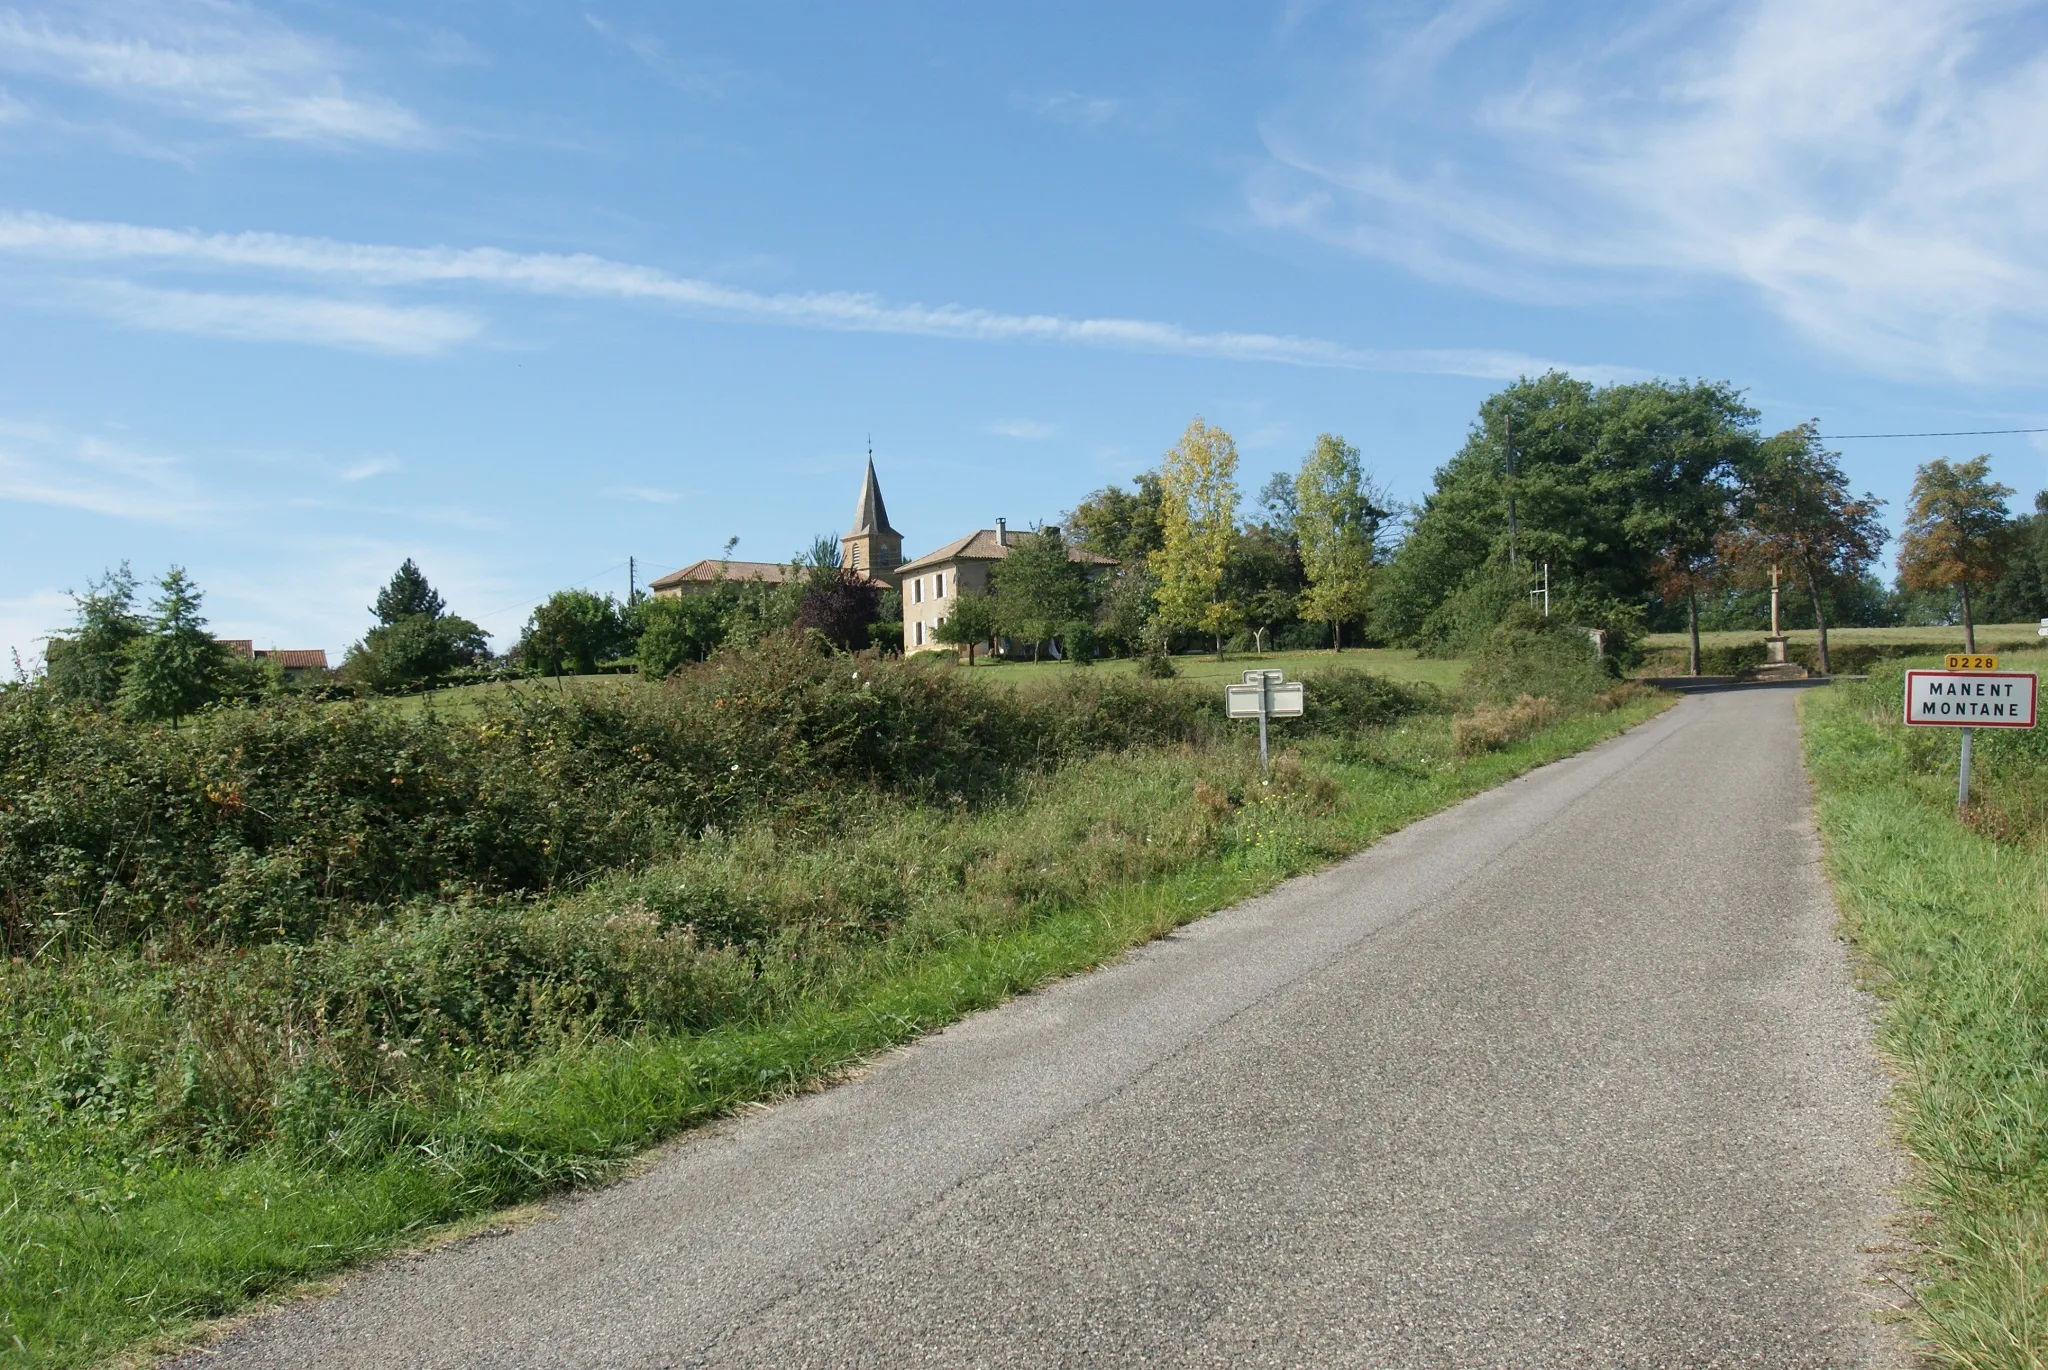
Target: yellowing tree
1198,524
1335,523
1958,534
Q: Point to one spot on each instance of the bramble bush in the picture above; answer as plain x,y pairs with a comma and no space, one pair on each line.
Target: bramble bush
272,823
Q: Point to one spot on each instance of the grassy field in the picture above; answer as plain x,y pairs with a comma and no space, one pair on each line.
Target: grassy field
1949,919
1989,636
109,1243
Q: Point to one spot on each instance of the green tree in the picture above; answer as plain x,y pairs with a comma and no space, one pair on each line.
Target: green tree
407,595
1198,526
416,643
175,668
1336,524
572,633
1041,594
1597,471
1120,523
87,664
1124,607
1958,535
970,622
671,631
2021,594
1796,512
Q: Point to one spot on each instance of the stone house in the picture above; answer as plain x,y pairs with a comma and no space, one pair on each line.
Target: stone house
933,583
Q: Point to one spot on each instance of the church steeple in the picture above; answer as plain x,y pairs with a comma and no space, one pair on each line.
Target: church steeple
871,546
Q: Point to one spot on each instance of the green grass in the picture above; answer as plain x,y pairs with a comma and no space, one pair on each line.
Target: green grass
1938,638
106,1246
1950,924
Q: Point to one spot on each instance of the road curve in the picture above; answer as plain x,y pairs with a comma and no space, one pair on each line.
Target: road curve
1570,1075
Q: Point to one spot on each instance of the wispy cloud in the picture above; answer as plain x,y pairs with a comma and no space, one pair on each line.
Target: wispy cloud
1869,169
696,77
643,494
590,277
25,621
358,325
373,466
1072,107
209,60
1027,430
42,466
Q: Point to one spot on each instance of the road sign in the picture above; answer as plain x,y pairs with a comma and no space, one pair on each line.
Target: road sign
1254,676
1970,699
1285,700
1959,661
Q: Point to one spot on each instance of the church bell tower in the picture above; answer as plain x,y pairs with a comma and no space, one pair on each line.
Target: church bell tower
871,546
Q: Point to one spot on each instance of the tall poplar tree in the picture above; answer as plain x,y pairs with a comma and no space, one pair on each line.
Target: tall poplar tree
1198,526
1335,522
1958,535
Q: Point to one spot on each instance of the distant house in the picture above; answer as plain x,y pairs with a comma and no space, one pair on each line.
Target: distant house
702,577
294,662
933,583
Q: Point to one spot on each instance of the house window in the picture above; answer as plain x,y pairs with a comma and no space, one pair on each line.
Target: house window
920,632
939,581
917,590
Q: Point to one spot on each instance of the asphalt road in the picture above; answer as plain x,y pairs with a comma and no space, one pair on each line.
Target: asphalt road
1571,1075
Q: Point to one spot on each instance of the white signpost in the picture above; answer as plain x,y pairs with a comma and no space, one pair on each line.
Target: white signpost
1970,700
1264,695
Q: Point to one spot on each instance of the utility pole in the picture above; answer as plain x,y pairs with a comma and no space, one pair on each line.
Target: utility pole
1508,444
632,584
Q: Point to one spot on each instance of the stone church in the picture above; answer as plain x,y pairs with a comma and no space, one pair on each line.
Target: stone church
930,585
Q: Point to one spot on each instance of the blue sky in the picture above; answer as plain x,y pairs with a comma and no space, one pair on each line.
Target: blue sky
291,291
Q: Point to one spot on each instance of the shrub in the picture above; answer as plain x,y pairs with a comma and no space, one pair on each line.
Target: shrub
1489,727
1538,657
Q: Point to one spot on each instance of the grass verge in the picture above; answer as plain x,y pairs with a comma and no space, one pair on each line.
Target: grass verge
107,1246
1950,923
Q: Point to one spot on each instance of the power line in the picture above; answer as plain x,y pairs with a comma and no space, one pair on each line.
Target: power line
1962,433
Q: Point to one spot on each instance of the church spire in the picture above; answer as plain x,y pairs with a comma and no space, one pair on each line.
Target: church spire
870,517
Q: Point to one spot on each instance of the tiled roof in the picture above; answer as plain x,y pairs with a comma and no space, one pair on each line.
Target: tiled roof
713,569
981,545
297,659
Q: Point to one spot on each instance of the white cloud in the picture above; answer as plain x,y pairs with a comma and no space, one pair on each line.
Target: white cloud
40,466
590,277
25,621
1071,107
209,60
1028,430
643,494
1870,169
364,470
358,325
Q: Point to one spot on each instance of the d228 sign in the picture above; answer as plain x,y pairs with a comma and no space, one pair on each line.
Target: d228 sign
1970,699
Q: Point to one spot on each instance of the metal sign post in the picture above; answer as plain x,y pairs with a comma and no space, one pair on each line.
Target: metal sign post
1978,696
1264,694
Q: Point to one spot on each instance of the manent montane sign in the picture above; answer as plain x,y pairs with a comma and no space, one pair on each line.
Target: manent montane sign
1970,699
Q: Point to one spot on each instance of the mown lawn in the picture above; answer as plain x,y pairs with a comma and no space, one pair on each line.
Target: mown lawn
105,1248
1949,919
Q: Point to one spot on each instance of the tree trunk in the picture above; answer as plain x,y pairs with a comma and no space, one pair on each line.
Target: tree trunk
1820,623
1337,635
1692,624
1969,628
1219,646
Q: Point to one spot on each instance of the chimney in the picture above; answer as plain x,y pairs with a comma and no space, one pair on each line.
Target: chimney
1002,532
